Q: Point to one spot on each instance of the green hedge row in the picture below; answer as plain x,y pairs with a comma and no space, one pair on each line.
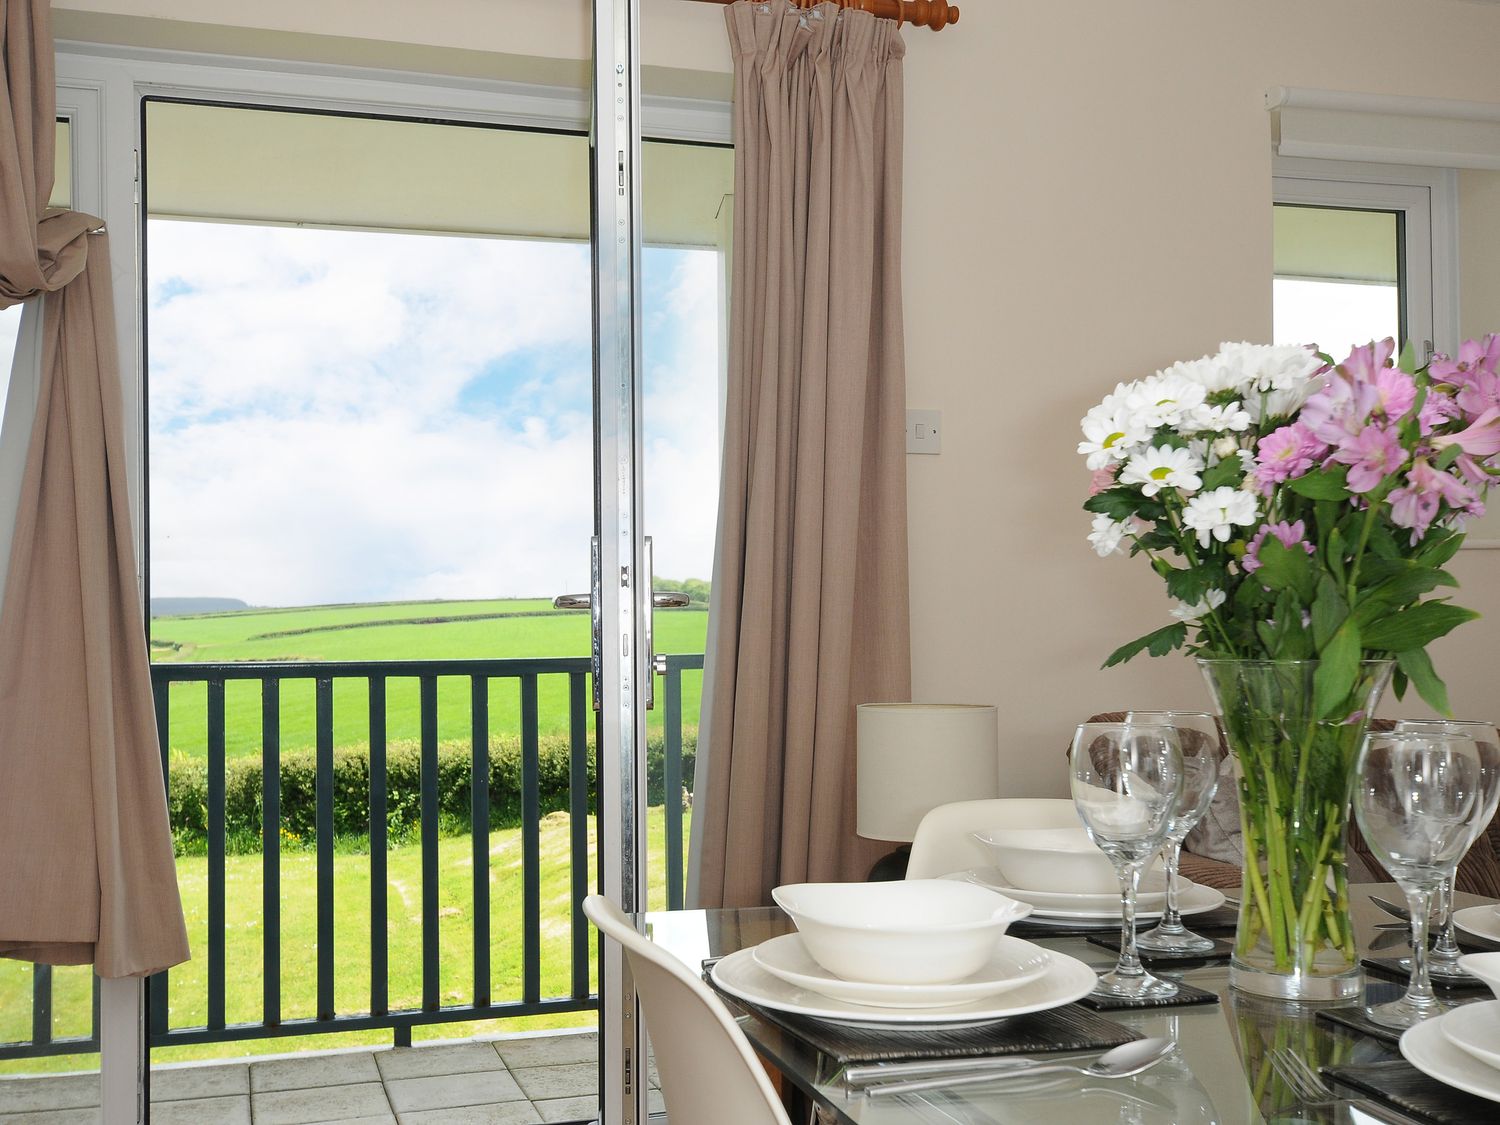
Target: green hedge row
187,790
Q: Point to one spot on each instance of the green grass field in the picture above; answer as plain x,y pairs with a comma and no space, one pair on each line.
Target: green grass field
243,942
498,629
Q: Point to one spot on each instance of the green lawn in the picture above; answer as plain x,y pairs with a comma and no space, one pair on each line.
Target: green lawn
512,628
243,940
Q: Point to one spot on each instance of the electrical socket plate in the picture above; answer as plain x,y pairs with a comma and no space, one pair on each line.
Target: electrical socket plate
924,429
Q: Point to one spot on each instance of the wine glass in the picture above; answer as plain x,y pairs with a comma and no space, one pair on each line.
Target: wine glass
1417,796
1442,961
1126,782
1198,738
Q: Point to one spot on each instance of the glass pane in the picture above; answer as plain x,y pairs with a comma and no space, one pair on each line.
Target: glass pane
687,207
370,414
1338,277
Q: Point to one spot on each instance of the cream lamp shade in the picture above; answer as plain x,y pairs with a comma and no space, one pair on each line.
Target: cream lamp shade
913,757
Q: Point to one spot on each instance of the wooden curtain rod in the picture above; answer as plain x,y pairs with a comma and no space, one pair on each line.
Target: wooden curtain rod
936,14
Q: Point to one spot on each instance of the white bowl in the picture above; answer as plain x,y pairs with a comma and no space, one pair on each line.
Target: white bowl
915,931
1485,966
1053,859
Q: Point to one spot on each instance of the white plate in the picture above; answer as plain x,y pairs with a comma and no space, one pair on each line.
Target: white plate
1013,963
1481,921
1427,1048
1065,980
1193,898
1475,1030
1153,896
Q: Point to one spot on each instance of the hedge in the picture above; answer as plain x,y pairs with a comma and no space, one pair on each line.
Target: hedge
188,790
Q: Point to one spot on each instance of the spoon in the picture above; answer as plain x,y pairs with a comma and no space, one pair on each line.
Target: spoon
1122,1062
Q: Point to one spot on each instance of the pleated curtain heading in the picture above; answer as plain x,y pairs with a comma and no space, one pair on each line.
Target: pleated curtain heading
86,867
810,581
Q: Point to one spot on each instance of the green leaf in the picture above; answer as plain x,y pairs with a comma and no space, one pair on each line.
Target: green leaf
1116,503
1286,568
1338,668
1402,583
1417,666
1439,547
1407,360
1158,643
1228,471
1327,484
1329,609
1449,455
1190,585
1415,627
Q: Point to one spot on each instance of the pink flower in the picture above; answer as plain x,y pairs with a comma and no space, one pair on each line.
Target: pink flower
1289,534
1481,438
1415,504
1103,478
1475,358
1395,391
1286,453
1480,393
1365,364
1370,454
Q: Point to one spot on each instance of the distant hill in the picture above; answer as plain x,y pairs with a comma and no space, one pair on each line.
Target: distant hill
179,607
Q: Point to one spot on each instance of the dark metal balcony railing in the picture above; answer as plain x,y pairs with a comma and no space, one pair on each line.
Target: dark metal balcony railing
375,676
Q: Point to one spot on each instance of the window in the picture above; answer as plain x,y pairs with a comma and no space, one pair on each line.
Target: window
1363,252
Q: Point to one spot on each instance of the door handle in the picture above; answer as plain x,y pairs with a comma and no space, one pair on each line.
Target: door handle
665,599
591,602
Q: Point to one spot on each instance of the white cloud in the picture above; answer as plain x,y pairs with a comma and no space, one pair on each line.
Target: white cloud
342,416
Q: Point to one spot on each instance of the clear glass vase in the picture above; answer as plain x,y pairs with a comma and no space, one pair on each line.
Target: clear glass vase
1294,940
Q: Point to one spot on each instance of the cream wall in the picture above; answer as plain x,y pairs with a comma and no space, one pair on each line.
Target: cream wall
1087,199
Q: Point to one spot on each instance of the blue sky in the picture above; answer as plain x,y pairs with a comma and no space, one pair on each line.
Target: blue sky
349,416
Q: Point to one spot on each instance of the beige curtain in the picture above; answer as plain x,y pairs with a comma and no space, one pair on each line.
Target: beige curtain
86,869
810,584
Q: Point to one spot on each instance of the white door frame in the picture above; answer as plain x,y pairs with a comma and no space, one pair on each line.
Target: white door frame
101,88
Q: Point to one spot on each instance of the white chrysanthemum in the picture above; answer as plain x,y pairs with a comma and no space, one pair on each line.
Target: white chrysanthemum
1215,515
1110,435
1233,418
1209,373
1107,535
1165,400
1211,601
1277,378
1225,447
1163,466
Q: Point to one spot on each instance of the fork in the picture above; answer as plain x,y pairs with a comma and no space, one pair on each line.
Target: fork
1302,1080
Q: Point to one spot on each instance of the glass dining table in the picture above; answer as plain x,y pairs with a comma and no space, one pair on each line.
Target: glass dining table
1220,1072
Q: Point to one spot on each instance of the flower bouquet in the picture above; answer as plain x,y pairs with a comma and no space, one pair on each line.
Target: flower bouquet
1300,513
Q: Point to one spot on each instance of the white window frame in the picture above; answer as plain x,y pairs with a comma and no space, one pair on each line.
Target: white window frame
101,90
1428,200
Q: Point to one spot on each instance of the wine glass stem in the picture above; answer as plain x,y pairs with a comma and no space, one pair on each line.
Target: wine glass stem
1129,964
1445,949
1419,902
1171,920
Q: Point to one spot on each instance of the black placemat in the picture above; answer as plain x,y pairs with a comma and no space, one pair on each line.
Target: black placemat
1391,969
1221,951
1069,1028
1354,1019
1403,1086
1186,994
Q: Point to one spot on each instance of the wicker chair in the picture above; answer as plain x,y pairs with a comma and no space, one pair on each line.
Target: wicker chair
1479,873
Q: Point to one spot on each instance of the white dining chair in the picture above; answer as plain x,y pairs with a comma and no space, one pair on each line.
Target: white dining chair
944,841
709,1072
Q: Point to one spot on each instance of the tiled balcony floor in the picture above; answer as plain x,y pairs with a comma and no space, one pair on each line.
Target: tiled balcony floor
515,1080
